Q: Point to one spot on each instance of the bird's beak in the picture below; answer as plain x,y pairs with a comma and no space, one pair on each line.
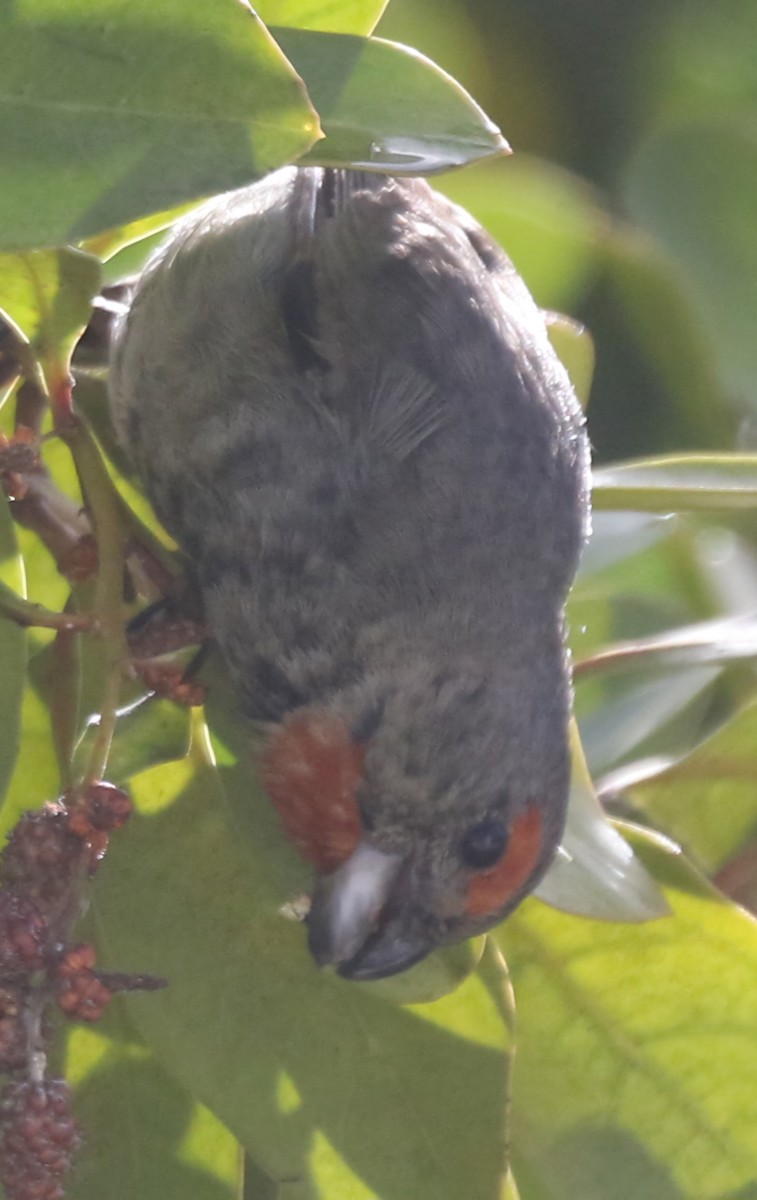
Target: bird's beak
363,918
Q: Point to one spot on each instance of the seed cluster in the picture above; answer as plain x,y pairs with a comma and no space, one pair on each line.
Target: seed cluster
43,869
38,1141
81,993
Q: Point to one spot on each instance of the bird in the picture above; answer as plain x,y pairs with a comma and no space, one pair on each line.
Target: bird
343,404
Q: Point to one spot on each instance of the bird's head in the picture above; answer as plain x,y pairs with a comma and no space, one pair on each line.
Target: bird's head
428,811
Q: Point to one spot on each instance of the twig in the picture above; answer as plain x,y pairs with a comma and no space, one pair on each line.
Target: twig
104,507
30,615
121,981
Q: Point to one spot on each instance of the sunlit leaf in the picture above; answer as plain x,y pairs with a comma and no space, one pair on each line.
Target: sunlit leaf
36,777
619,535
149,732
105,245
386,107
644,575
637,1047
47,294
596,873
632,715
332,16
142,1130
113,111
726,640
574,347
708,800
91,400
684,483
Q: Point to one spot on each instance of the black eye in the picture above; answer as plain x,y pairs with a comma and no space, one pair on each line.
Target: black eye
484,844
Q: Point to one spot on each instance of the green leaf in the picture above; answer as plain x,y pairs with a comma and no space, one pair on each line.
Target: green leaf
385,107
684,483
49,710
574,347
91,397
708,800
12,652
438,975
637,1047
143,1133
111,111
36,778
654,578
616,536
635,716
48,295
106,245
331,16
708,642
694,185
316,1076
148,732
596,873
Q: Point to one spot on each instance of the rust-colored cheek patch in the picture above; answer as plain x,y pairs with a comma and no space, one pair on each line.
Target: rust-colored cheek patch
311,770
490,890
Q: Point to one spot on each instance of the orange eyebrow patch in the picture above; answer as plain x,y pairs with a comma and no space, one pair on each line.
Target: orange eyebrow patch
311,769
490,890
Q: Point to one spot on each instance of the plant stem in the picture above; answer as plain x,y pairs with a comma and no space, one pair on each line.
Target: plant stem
104,507
25,613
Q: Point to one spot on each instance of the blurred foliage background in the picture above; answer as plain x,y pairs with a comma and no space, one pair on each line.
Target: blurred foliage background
631,201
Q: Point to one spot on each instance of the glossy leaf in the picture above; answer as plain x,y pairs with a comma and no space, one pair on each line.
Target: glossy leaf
616,536
684,483
107,244
596,873
708,800
113,111
385,107
637,1047
711,642
47,294
316,1076
638,711
332,16
12,652
646,580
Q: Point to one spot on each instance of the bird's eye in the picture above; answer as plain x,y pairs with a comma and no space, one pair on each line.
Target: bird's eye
484,844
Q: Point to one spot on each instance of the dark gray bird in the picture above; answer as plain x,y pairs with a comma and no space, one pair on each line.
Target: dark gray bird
344,406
